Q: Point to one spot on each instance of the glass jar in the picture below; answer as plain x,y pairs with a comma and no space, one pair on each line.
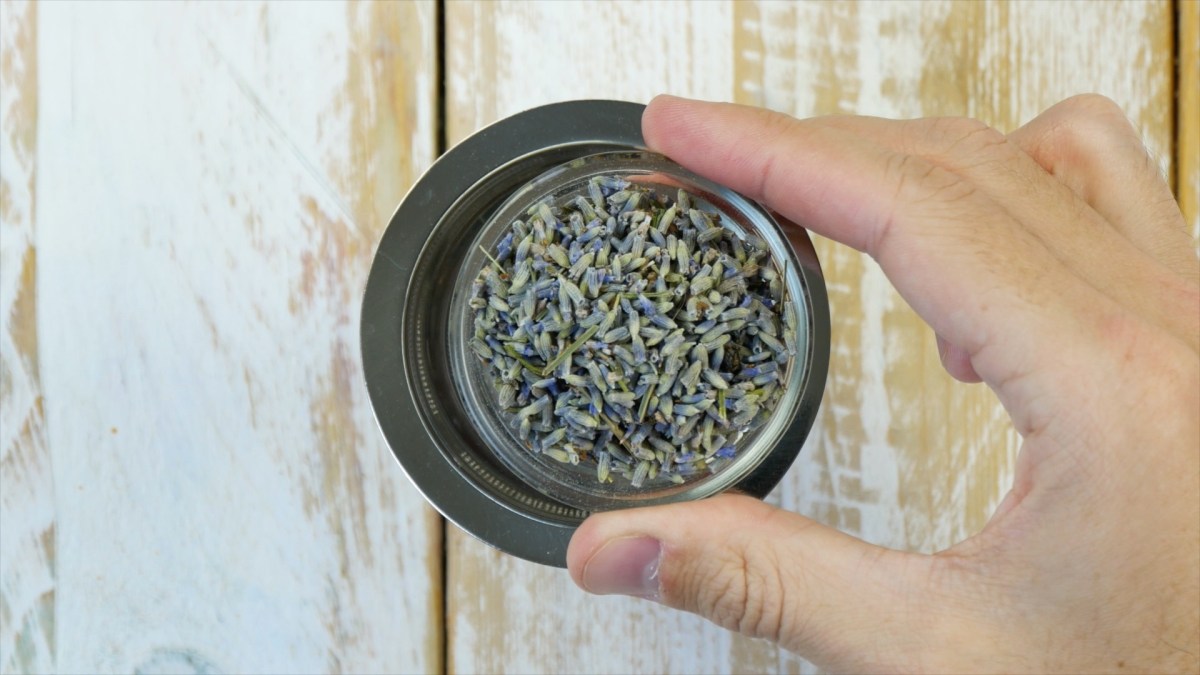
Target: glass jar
435,401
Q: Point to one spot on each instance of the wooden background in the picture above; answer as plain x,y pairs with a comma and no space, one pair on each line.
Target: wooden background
190,195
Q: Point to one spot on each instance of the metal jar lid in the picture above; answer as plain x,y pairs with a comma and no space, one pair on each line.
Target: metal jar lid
405,350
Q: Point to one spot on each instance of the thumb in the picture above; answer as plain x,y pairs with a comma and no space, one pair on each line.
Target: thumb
764,572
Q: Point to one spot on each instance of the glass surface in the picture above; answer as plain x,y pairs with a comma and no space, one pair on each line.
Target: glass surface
576,485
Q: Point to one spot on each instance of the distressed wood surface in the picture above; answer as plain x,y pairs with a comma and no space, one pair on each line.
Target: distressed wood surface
27,551
900,455
193,481
1188,122
189,198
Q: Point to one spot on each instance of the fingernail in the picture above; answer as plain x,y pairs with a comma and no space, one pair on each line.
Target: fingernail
625,566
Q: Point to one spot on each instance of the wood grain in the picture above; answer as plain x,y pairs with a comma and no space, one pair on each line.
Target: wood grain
189,199
1188,121
506,615
211,181
900,455
27,539
914,460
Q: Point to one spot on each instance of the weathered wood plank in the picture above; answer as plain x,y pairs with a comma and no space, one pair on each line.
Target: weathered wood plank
494,69
900,455
1002,63
212,179
1188,143
27,551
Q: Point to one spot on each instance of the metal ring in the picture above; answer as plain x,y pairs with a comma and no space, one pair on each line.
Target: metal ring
455,195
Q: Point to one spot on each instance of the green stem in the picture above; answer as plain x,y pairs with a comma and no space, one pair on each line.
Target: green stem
511,351
570,349
645,404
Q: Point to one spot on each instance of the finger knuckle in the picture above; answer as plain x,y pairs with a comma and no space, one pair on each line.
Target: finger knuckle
960,128
943,128
724,594
902,171
1088,127
762,608
739,592
919,185
774,123
971,144
775,127
1096,106
916,178
908,175
965,136
983,143
762,612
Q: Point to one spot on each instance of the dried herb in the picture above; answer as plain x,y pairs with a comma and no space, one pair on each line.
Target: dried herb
632,331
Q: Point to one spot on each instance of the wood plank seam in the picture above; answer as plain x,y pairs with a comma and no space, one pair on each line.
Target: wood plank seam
29,583
1186,88
442,145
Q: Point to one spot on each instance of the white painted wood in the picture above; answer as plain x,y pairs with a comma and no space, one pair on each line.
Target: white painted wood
189,198
211,181
27,553
900,455
507,615
888,426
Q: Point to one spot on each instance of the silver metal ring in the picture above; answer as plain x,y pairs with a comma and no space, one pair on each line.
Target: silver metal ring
404,322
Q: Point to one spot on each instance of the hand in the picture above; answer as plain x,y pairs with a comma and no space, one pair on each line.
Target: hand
1053,265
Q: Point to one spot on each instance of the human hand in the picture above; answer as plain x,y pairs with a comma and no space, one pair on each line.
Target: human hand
1053,265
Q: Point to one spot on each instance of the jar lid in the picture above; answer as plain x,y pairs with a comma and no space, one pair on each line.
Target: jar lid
407,319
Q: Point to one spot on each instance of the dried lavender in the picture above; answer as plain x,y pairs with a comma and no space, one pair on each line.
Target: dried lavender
633,332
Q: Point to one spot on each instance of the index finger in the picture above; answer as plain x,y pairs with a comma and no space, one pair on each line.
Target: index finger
978,278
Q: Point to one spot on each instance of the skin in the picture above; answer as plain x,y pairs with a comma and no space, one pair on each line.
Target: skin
1054,266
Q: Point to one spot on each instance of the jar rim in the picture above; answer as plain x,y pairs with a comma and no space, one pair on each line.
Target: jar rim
576,485
397,341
